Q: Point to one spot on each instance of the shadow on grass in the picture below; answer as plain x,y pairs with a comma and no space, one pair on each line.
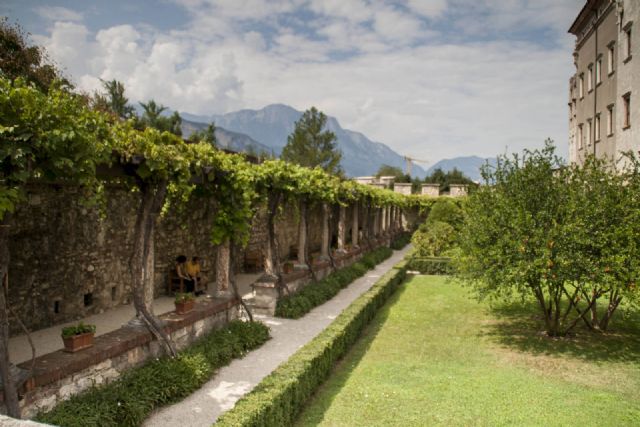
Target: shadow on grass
520,326
327,392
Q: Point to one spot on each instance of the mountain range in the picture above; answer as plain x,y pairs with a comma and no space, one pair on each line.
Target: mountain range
266,130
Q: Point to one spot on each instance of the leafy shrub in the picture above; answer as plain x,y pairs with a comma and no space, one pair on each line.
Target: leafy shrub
446,210
401,241
130,399
297,305
279,397
431,239
431,265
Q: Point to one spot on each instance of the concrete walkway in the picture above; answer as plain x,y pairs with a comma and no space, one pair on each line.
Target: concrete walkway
48,340
218,395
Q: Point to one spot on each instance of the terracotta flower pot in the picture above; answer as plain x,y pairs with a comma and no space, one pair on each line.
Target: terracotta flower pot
78,342
287,268
185,307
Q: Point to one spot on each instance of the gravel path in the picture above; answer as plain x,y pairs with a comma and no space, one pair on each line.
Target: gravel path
230,383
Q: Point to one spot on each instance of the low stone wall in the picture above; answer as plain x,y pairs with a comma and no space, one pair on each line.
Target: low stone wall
266,293
60,375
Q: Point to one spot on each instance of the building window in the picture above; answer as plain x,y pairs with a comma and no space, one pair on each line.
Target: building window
627,42
597,127
626,102
599,71
590,78
580,136
589,135
581,86
611,57
610,120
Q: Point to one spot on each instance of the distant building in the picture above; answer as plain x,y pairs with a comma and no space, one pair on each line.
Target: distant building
604,93
382,182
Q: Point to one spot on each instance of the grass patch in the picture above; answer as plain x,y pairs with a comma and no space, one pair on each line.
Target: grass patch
297,305
281,395
435,356
131,398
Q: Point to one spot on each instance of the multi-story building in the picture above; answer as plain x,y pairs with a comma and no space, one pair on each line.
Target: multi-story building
604,93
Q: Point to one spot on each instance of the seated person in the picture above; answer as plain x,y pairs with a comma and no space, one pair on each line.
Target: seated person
181,271
193,270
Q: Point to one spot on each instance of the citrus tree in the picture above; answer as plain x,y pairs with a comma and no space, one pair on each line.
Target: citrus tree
564,235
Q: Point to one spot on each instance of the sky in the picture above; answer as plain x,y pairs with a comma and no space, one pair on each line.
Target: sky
432,79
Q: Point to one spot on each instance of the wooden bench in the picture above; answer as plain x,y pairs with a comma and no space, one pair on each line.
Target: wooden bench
176,282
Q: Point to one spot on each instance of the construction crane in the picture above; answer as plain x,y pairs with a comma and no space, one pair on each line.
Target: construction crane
408,164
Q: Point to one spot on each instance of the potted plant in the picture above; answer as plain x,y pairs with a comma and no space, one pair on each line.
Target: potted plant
287,267
184,302
78,337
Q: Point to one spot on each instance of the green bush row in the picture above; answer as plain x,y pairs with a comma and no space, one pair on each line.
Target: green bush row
131,398
431,265
297,305
278,399
400,241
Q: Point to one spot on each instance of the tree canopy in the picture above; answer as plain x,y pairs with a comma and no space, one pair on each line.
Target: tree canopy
20,59
566,235
396,172
445,179
309,145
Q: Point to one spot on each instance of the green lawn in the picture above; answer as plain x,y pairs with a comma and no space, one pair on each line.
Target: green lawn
435,356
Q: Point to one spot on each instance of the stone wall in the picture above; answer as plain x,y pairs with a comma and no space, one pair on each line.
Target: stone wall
68,261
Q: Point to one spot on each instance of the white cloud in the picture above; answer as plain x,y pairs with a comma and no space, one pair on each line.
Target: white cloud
58,13
397,26
357,61
428,8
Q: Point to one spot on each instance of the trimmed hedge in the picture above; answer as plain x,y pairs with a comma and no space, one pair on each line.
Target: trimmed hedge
278,399
129,400
400,241
431,265
297,305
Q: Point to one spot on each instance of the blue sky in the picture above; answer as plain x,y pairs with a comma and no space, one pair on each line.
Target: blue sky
431,78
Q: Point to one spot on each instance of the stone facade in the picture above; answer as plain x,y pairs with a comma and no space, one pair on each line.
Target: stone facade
603,118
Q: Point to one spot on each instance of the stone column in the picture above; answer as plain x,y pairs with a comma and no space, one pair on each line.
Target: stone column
376,222
342,228
365,221
223,258
324,248
354,227
302,236
383,221
392,218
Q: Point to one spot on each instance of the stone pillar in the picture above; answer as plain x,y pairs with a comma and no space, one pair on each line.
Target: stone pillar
457,190
383,221
392,218
402,188
376,222
431,190
365,221
302,236
324,248
342,228
354,226
223,258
